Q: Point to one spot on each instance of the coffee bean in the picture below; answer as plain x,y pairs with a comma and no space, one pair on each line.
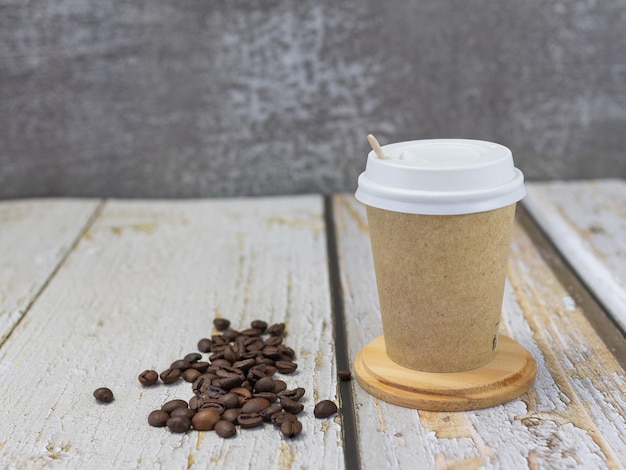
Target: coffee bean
269,396
230,400
231,415
291,406
148,377
190,375
182,412
291,429
273,341
279,418
158,418
171,405
200,366
169,376
230,355
344,375
259,325
276,329
255,405
230,335
204,345
324,409
254,332
181,364
212,404
243,393
279,385
193,357
103,394
250,420
204,420
225,429
270,411
286,367
221,324
245,364
227,383
264,384
294,394
179,424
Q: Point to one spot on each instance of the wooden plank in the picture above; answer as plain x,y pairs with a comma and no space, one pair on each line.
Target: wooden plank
586,220
139,291
574,415
35,237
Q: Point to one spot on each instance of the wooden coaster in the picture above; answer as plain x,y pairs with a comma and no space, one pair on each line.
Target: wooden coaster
510,374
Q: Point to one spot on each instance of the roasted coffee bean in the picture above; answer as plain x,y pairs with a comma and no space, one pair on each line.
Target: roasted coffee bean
294,394
277,329
230,354
254,344
269,396
273,341
291,406
255,405
270,352
324,409
229,371
344,375
103,394
279,418
286,367
215,391
270,411
193,357
181,364
158,418
230,335
148,377
218,340
182,412
243,393
231,415
221,324
291,429
259,325
250,420
196,402
169,376
219,363
225,429
171,405
287,351
279,385
179,424
227,383
200,366
245,364
264,384
230,400
204,420
253,332
212,404
204,345
191,375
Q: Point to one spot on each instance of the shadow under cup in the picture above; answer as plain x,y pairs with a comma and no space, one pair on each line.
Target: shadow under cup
441,282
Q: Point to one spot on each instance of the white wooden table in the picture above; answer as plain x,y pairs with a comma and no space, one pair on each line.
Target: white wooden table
92,292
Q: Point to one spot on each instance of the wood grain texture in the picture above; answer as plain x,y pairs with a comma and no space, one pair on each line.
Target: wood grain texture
139,290
573,417
35,237
586,220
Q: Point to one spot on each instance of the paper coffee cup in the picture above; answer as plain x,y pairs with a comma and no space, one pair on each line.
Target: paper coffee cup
440,214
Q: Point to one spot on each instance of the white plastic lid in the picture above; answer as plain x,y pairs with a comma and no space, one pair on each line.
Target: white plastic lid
441,177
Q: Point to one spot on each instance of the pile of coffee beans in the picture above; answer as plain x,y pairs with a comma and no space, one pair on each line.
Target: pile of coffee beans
235,386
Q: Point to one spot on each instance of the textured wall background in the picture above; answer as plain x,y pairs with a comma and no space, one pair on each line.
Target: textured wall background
214,98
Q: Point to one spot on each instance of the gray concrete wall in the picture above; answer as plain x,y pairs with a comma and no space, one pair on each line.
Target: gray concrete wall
180,98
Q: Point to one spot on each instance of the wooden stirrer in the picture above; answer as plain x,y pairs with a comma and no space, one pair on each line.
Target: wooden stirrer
376,147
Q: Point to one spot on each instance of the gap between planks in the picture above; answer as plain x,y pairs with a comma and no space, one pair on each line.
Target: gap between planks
597,315
79,236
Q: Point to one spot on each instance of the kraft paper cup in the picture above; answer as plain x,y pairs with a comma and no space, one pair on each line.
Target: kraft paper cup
440,214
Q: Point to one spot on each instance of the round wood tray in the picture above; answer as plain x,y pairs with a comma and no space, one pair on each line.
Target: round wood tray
510,374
